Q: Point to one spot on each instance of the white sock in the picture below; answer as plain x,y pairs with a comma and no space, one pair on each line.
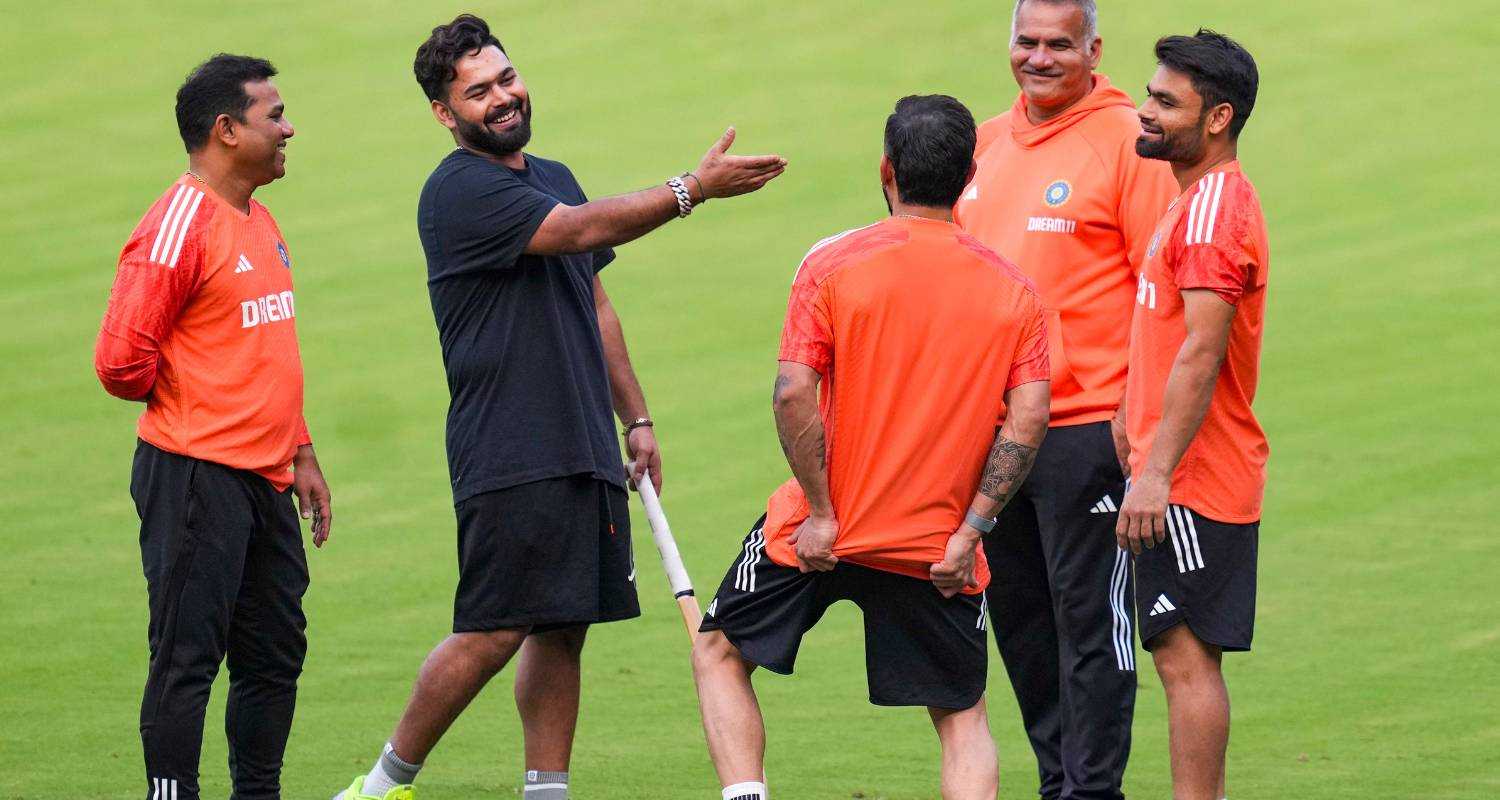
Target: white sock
749,790
389,772
542,785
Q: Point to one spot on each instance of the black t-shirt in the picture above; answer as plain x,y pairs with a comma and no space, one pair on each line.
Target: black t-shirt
526,373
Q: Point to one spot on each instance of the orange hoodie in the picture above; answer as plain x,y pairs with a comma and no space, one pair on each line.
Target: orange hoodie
1072,205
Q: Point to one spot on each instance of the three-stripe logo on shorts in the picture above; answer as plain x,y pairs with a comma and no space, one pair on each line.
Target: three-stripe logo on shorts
174,226
984,613
744,572
1105,506
1184,538
163,789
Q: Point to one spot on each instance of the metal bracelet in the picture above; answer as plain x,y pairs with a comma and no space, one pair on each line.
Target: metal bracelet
978,523
684,199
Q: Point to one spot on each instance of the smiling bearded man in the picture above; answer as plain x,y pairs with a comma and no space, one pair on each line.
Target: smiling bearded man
1061,193
535,359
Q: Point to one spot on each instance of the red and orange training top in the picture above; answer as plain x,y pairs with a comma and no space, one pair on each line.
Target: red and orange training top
918,331
1070,203
1212,237
201,326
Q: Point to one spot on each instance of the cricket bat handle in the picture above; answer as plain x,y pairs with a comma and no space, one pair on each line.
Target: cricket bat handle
671,559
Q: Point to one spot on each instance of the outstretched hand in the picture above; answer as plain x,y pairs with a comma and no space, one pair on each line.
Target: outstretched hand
723,175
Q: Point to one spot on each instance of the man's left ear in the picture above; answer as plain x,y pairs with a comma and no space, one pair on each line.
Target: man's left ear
1219,118
1096,52
973,168
224,128
887,171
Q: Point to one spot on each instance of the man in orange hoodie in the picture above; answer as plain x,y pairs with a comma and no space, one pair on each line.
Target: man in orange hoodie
1060,192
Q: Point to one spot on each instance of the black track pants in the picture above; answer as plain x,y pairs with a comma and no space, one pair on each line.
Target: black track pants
1061,599
225,574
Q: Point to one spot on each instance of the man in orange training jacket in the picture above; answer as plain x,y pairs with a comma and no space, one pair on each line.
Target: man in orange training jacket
1061,193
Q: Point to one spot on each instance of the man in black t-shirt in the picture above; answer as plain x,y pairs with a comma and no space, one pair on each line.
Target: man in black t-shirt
535,361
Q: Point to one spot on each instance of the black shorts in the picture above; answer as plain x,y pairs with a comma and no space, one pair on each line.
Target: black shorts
920,648
1202,574
547,554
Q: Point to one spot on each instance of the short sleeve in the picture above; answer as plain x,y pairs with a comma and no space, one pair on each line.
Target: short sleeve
807,335
602,258
1215,241
485,217
1032,361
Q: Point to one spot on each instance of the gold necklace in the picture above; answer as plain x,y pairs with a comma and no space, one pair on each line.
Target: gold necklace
197,177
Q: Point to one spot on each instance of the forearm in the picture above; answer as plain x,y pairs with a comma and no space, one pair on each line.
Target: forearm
125,367
1011,457
1190,388
799,426
606,222
625,390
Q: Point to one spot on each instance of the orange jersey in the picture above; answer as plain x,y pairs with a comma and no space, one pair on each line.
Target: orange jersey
1072,205
1212,237
201,325
918,331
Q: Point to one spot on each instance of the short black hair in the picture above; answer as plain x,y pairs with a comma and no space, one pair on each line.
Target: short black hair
217,86
929,140
1221,71
436,57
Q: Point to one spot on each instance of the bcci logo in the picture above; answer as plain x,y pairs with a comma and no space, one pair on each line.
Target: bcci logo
1057,193
1154,246
286,260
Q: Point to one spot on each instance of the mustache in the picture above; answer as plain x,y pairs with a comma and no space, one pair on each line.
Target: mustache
495,115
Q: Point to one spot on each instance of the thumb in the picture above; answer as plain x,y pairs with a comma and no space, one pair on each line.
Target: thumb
304,501
725,141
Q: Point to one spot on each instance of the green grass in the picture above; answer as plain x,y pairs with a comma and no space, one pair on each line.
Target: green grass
1379,625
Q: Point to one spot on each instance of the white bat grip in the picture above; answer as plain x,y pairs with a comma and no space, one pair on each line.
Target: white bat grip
671,560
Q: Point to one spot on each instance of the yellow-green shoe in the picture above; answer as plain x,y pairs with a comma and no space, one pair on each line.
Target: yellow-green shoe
406,792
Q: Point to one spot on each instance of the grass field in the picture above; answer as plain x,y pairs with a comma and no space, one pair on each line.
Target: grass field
1378,646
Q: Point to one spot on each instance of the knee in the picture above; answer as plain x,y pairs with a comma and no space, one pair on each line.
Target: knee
490,650
713,651
1181,662
568,642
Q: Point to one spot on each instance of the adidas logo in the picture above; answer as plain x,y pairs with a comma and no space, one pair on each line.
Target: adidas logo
1105,506
1163,605
243,265
712,607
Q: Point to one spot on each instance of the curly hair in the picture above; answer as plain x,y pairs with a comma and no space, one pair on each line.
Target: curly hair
434,66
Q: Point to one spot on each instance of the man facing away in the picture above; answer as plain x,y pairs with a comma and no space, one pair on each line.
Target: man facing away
1061,192
1197,453
904,343
201,326
535,359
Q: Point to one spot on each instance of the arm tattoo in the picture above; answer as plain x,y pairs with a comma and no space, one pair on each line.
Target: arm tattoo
1008,464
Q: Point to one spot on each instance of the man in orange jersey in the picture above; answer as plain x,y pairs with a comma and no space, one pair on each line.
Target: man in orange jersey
201,327
1060,192
903,342
1197,454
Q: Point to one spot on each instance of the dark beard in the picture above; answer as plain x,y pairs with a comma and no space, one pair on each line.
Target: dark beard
1178,149
479,137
